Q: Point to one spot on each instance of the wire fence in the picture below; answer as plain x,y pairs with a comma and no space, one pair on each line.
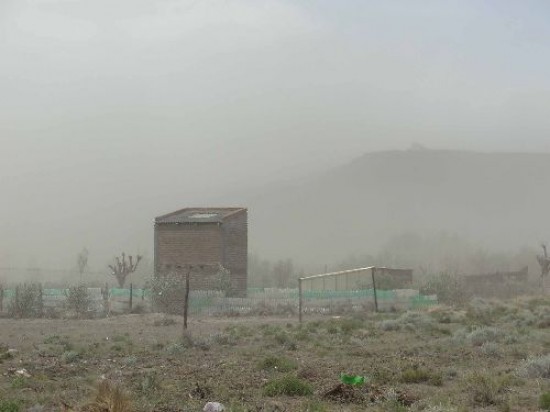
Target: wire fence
363,289
258,302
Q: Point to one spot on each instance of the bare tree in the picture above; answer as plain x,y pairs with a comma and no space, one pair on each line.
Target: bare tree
82,261
124,267
544,262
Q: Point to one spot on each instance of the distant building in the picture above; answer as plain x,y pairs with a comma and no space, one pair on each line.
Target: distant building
204,237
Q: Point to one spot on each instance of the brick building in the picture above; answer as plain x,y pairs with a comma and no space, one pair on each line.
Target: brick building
204,236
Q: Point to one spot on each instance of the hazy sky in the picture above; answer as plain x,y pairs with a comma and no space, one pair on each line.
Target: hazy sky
114,111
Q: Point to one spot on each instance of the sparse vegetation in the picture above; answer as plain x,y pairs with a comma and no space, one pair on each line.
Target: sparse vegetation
483,335
78,300
477,357
544,401
27,302
167,292
485,389
9,406
109,398
536,367
277,363
420,375
288,385
448,288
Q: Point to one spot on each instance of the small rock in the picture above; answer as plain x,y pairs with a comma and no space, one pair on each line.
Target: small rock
23,372
213,407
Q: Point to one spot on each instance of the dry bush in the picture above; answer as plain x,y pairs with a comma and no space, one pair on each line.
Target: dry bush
483,335
109,398
448,288
28,301
78,299
538,367
484,389
168,293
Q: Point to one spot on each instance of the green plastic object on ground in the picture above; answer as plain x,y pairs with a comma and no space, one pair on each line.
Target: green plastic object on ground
352,379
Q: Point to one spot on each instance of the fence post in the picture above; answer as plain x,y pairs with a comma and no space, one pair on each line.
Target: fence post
186,299
131,296
1,298
41,301
300,303
105,296
373,271
17,312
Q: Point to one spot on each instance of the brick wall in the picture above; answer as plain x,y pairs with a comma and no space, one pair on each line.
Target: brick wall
235,250
205,243
187,244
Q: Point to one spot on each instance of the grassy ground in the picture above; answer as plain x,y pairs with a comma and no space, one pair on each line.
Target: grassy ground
492,356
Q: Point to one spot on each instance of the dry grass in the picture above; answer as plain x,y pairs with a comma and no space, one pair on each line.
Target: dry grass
481,367
110,397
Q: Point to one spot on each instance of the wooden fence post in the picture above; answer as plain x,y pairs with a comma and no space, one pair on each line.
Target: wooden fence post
16,311
300,303
41,300
131,296
374,288
105,296
186,299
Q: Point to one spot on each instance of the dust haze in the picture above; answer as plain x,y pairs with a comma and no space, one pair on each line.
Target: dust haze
346,128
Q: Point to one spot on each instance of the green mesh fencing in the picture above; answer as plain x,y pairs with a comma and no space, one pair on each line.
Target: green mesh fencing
54,292
9,293
421,301
118,292
207,303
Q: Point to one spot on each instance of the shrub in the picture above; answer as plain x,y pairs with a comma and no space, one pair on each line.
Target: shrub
482,335
58,340
287,385
278,363
389,324
19,382
150,382
70,356
538,367
78,299
168,292
449,289
421,375
110,398
349,325
415,320
224,339
4,353
544,401
490,349
484,389
27,302
9,406
175,348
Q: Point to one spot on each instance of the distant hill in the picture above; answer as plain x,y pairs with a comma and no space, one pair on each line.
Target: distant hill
499,199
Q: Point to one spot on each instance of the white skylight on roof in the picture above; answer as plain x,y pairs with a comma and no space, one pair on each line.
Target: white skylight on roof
202,215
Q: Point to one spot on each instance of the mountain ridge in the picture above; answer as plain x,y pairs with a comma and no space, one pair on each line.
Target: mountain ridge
494,198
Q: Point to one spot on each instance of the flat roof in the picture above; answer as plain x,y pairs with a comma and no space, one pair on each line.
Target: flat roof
199,215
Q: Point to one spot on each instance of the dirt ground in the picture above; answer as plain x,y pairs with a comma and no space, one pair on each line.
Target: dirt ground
475,358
